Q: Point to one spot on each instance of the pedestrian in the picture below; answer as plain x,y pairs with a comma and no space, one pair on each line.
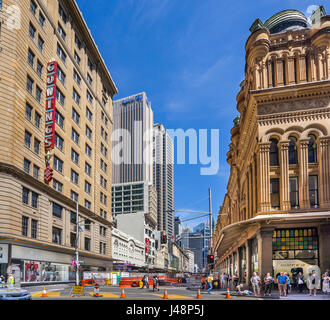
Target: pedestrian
203,282
235,280
2,279
282,282
300,282
223,280
255,281
155,284
288,285
209,283
326,283
313,283
145,281
268,280
11,280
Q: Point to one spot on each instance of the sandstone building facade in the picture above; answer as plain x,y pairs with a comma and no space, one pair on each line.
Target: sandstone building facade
37,220
275,214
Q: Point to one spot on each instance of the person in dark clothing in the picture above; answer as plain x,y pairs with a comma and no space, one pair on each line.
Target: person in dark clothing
300,282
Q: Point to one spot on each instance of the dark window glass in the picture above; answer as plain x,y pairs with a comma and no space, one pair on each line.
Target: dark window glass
73,217
294,192
34,229
293,153
57,210
35,197
273,153
313,191
57,235
87,244
25,226
27,165
87,224
72,239
312,149
25,195
275,193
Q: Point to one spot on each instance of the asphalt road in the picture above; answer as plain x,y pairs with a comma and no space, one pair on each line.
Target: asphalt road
65,291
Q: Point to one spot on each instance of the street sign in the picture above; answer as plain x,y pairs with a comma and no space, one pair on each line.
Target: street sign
78,289
81,261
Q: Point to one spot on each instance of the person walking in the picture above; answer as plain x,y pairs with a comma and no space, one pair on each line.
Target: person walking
235,280
145,281
268,280
288,284
313,283
300,282
155,284
282,283
2,279
255,281
326,283
210,283
223,280
11,280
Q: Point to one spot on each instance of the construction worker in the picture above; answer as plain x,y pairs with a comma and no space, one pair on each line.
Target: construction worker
11,280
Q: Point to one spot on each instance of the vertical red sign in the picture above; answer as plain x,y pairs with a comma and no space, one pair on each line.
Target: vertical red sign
147,246
50,105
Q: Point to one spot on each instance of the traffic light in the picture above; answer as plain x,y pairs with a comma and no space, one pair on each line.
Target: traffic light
210,258
163,239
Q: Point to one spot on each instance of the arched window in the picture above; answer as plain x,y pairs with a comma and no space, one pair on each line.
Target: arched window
273,152
312,149
293,154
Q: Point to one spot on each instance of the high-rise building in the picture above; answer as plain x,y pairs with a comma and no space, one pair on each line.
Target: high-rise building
275,214
132,140
134,196
163,175
56,94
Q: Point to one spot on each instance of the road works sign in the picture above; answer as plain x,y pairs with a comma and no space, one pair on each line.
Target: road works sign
78,290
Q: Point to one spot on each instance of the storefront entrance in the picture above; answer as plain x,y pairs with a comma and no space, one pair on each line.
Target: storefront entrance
295,250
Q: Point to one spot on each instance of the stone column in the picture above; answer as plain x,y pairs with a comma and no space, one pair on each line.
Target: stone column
324,175
291,75
264,82
324,247
284,184
303,174
302,68
248,262
279,69
265,252
263,174
238,260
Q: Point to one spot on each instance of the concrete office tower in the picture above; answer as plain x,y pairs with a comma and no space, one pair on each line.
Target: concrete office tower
132,140
37,219
134,196
164,178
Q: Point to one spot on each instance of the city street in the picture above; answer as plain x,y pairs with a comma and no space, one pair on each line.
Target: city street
64,291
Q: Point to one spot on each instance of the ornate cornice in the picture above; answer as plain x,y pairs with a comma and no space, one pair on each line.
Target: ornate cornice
289,117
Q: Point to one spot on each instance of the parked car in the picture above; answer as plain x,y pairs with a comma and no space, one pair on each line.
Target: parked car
7,293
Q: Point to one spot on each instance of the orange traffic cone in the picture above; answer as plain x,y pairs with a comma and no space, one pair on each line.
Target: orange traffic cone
165,295
44,293
199,296
228,294
122,293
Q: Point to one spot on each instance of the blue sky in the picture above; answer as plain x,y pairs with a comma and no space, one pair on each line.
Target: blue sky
188,56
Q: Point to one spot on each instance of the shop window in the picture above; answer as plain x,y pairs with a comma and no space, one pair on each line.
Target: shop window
299,243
